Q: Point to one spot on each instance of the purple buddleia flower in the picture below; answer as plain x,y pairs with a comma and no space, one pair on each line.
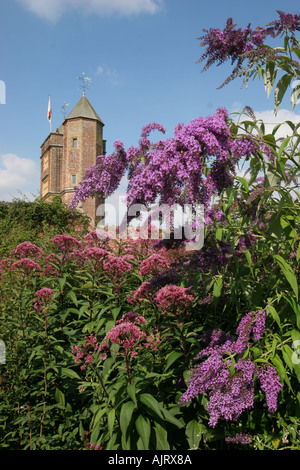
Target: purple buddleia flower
270,384
240,438
104,177
240,45
286,21
230,384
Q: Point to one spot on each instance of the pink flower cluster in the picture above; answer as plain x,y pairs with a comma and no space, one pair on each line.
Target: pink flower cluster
142,293
172,297
43,298
153,264
93,257
116,265
25,266
126,333
86,352
23,250
65,242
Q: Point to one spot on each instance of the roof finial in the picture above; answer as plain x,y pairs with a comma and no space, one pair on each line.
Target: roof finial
85,82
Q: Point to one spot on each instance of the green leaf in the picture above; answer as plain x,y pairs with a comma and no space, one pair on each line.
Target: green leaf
295,96
72,296
193,434
288,273
69,373
132,393
274,314
171,418
284,144
111,421
151,403
269,77
281,369
217,290
125,419
62,282
115,312
143,428
161,435
287,353
171,358
280,90
60,397
98,415
244,183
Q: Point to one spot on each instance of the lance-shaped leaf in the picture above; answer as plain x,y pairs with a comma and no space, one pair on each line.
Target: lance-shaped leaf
280,90
288,273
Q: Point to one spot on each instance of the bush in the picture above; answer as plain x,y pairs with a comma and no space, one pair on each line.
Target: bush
22,220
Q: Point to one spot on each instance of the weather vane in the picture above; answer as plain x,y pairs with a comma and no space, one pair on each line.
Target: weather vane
64,109
85,82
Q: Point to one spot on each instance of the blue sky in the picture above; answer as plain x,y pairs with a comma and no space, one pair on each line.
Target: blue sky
141,57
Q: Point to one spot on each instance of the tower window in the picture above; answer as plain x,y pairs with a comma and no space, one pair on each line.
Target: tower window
73,179
74,143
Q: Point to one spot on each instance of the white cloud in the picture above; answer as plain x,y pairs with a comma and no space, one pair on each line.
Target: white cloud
269,119
99,70
54,9
17,175
111,74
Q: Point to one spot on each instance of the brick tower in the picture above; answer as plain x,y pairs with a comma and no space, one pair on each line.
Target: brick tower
68,152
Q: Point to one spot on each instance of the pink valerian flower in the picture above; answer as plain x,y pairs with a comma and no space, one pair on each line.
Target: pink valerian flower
95,446
26,249
132,317
92,239
127,334
44,297
141,294
153,264
153,340
92,257
5,265
86,352
116,265
172,297
25,266
65,243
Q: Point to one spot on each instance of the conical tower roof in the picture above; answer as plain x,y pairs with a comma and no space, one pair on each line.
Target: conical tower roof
84,109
